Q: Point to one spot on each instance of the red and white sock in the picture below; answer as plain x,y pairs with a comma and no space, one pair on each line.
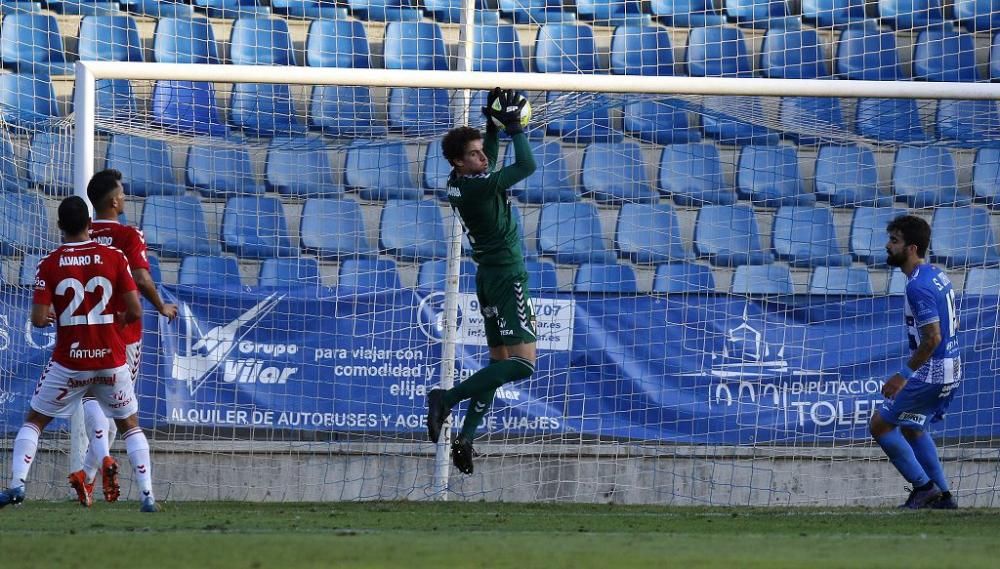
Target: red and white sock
25,446
138,454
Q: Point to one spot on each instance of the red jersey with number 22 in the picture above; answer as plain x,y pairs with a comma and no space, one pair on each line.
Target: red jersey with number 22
131,242
85,282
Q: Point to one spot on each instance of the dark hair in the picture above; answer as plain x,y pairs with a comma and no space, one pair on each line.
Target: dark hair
73,215
453,144
914,230
101,185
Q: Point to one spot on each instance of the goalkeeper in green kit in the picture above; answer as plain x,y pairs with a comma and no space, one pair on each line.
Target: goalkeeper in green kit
477,190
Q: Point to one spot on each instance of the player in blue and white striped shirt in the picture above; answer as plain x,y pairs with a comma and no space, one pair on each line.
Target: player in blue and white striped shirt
919,393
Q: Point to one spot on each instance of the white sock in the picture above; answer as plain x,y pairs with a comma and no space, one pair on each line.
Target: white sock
25,446
138,454
112,433
97,427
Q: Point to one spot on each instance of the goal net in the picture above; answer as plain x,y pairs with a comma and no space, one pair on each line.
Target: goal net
705,248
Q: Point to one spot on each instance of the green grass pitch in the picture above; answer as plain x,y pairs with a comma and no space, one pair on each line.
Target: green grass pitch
461,534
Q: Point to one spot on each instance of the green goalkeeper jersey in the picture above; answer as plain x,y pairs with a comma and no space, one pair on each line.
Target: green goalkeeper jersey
484,207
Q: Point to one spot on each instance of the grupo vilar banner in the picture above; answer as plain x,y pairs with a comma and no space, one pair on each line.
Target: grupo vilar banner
710,369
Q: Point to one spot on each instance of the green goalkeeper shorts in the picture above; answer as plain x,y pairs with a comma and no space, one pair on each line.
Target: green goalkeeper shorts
508,316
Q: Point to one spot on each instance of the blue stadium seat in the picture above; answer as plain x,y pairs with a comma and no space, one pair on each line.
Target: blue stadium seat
261,41
10,178
942,54
686,13
963,237
344,112
868,52
535,11
158,8
683,278
215,271
641,50
232,9
986,177
728,236
968,122
154,268
187,107
362,276
496,48
175,226
846,176
115,99
792,53
289,274
551,181
825,13
29,268
840,280
897,283
81,7
184,40
145,165
317,10
718,124
982,281
50,162
337,43
109,38
910,14
542,276
692,175
565,48
613,173
436,170
889,120
264,110
649,234
218,171
571,233
977,15
769,176
27,102
717,51
25,226
18,6
661,121
412,230
605,11
384,10
334,228
32,43
431,275
300,167
255,227
925,177
806,237
605,277
755,13
802,116
419,111
590,122
380,170
868,235
415,45
762,279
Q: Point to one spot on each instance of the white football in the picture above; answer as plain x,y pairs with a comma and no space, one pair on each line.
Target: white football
525,113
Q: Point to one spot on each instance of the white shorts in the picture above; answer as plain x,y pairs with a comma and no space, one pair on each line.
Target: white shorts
60,389
133,357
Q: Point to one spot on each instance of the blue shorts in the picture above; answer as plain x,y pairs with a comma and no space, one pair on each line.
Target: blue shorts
918,404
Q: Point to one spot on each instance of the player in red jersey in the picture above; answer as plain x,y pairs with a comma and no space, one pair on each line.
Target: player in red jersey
107,195
86,289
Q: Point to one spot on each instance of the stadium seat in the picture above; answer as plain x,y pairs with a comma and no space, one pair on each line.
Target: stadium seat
769,176
755,13
846,176
316,10
29,269
963,237
925,176
232,9
535,11
264,110
342,111
32,43
115,99
717,123
686,13
158,8
868,52
977,15
889,120
380,170
641,50
210,271
218,170
300,167
826,13
982,281
571,233
968,122
802,116
590,121
605,11
565,48
27,102
605,277
660,121
840,280
683,278
25,226
649,234
897,283
942,54
50,162
187,107
384,10
792,53
692,175
806,237
289,274
431,275
154,268
334,228
10,177
436,170
109,38
362,276
762,279
255,227
868,235
542,276
337,43
145,165
728,236
613,173
496,48
419,111
910,14
184,40
412,230
261,41
717,51
415,45
986,177
551,181
175,226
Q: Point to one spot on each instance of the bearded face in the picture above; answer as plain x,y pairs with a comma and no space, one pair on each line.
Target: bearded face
895,248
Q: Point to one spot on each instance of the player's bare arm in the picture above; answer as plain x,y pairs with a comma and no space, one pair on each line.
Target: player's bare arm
930,339
133,310
42,315
144,282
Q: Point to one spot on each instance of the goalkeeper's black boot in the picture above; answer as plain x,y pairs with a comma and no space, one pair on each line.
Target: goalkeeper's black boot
945,502
461,455
437,412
